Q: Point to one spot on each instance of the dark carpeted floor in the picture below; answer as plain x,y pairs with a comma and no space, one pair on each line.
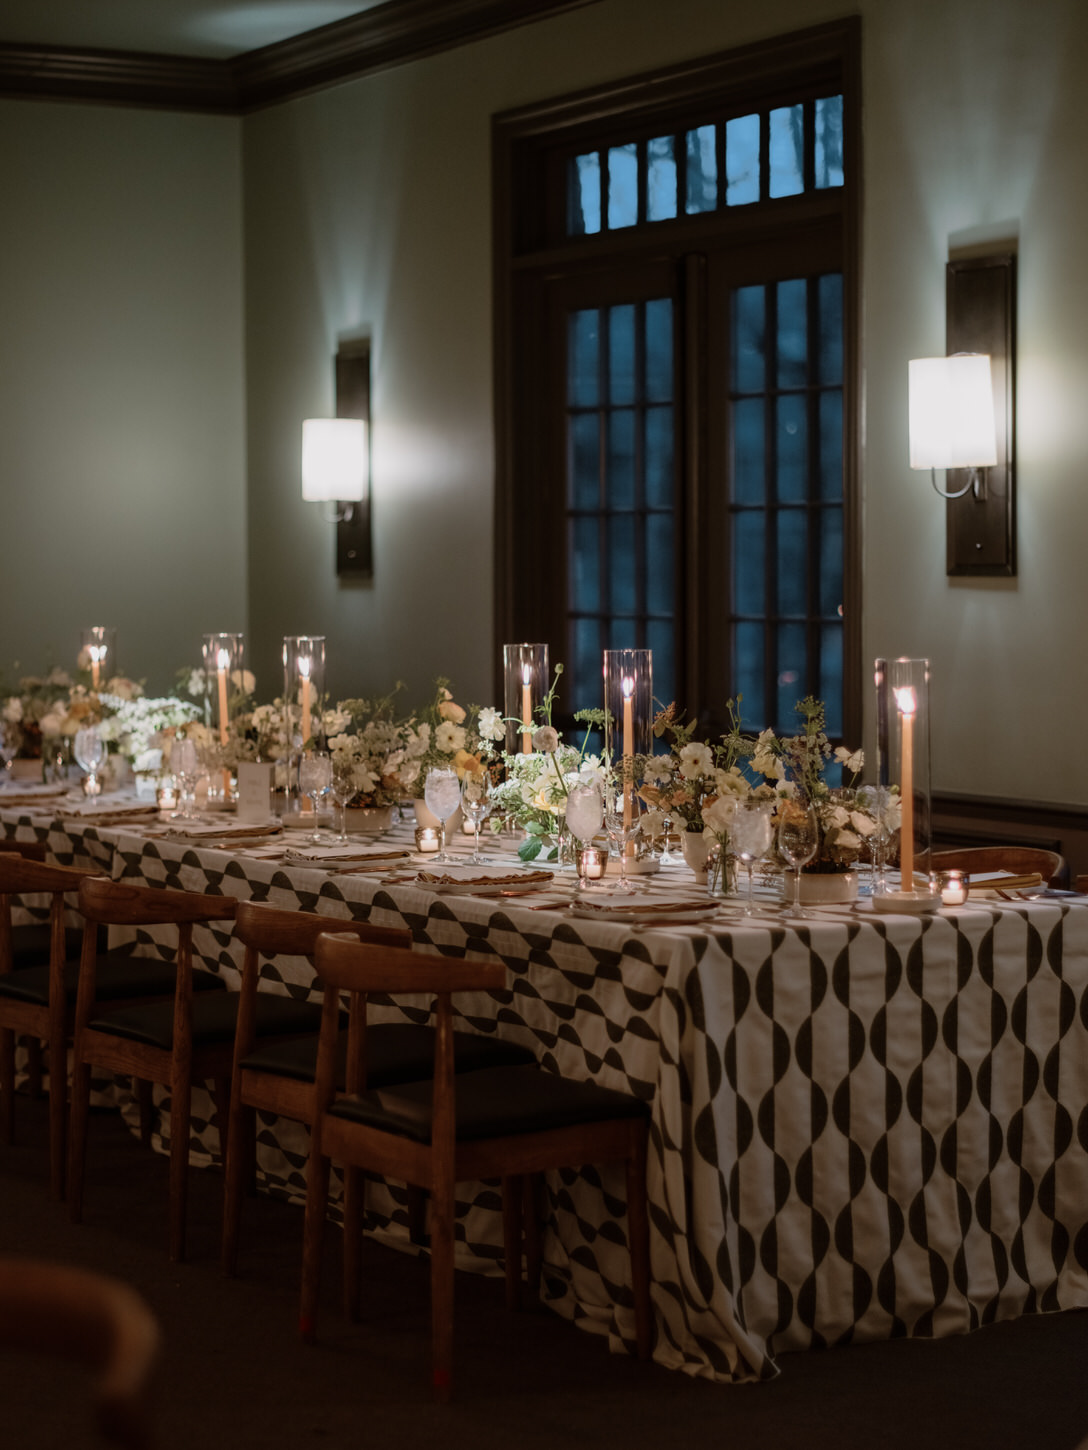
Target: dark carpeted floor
234,1373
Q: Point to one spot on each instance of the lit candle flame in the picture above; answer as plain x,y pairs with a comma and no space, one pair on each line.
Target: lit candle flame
526,675
304,666
627,686
223,659
905,701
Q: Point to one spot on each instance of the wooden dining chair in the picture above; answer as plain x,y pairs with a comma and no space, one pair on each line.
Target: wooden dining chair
1020,860
188,1037
278,1077
95,1320
501,1122
38,1000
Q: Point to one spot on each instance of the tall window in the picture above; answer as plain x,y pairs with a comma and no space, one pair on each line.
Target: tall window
675,312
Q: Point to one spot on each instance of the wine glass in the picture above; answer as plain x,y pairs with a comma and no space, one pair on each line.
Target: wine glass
442,796
798,842
585,815
623,822
185,765
314,779
342,787
89,750
752,834
11,738
873,800
476,807
667,858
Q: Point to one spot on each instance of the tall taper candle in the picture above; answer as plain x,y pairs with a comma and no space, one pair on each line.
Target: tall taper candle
904,699
526,710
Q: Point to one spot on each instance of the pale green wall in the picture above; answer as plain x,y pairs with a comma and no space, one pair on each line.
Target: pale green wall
121,356
122,444
361,202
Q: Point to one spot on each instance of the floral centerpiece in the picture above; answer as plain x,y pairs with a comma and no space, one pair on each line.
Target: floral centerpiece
366,737
798,765
533,795
448,736
693,776
139,728
52,707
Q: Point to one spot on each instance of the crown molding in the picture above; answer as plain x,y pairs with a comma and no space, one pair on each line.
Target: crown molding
390,34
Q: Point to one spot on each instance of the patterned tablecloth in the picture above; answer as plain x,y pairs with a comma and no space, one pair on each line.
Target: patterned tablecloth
863,1125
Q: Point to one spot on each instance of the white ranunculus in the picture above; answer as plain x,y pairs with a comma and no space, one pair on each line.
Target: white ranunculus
13,710
853,761
546,740
718,815
659,769
729,782
52,724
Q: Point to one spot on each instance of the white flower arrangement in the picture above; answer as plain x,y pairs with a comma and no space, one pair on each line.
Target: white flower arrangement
446,735
137,728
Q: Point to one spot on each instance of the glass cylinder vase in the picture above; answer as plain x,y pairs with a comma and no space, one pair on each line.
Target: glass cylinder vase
224,689
629,702
526,681
303,702
903,766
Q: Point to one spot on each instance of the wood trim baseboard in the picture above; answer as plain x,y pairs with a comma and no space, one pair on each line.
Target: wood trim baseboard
389,34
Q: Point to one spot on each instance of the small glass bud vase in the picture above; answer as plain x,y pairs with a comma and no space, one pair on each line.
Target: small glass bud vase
720,870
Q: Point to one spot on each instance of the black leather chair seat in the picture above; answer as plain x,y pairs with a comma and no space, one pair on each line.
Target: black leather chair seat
396,1052
122,975
30,944
491,1103
215,1015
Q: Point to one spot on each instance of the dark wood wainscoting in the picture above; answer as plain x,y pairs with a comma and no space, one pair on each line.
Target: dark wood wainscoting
964,820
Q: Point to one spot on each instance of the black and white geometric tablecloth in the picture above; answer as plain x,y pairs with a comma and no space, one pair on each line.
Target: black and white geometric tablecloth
863,1126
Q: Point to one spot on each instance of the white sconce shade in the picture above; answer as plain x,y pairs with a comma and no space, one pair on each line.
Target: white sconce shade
334,460
951,412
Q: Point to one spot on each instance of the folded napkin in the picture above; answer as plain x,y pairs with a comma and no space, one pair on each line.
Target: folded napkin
339,852
103,810
1004,881
220,830
647,908
29,795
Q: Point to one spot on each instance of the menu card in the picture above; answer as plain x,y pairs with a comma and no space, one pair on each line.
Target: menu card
254,791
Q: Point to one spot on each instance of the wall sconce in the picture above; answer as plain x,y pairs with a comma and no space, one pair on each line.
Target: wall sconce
336,461
962,415
952,418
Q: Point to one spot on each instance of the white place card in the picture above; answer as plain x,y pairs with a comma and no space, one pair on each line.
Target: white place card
254,792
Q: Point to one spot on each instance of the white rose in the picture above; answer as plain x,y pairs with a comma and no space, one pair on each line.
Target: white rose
491,724
718,815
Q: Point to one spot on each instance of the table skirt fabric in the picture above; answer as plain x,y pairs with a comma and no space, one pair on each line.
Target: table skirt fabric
862,1126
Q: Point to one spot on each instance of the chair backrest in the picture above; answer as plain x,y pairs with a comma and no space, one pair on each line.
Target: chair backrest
22,873
274,931
122,903
32,850
95,1320
346,964
1020,860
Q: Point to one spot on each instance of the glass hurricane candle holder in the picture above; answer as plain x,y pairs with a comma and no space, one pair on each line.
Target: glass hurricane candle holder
903,766
629,701
303,702
525,684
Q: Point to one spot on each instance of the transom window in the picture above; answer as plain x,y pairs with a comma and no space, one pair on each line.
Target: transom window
783,151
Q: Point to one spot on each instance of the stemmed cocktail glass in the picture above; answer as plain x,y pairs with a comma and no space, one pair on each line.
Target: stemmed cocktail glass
442,796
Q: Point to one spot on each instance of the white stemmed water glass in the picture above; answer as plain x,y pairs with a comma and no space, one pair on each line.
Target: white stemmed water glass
476,807
89,750
185,765
751,839
442,796
11,738
314,779
623,822
798,842
342,787
585,816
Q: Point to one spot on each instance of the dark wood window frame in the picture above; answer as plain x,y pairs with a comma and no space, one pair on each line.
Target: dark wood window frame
530,148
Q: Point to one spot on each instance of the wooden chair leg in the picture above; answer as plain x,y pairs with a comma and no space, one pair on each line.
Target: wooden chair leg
235,1171
77,1139
354,1192
638,1240
513,1189
34,1066
317,1198
180,1116
58,1121
7,1084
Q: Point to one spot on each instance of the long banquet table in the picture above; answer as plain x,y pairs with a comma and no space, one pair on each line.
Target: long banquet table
862,1125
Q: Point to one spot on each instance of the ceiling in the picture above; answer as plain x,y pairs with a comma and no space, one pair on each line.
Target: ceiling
210,29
